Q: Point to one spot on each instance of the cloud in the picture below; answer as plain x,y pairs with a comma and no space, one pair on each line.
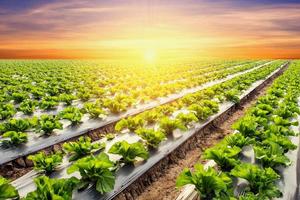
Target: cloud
174,25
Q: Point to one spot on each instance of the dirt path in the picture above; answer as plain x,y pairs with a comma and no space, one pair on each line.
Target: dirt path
164,187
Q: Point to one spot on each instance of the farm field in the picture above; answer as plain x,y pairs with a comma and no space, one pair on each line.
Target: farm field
80,130
149,100
262,149
79,109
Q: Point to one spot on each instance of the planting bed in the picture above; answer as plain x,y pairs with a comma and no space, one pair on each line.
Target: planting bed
126,150
266,158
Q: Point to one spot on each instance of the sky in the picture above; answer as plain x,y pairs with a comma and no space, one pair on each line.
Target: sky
168,29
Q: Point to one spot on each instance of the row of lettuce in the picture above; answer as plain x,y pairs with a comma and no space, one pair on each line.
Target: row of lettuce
14,130
266,128
44,84
153,127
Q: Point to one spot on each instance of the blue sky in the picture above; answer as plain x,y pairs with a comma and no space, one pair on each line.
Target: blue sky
19,4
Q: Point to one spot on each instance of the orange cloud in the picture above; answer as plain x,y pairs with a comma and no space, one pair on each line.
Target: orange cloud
190,29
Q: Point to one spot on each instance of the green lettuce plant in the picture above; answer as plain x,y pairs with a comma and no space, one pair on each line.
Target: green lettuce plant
279,130
261,181
238,140
72,114
18,125
187,119
209,183
93,109
152,137
201,112
151,116
214,106
226,157
129,152
37,93
67,98
262,110
13,138
28,106
271,155
284,112
82,147
115,106
95,169
84,95
131,123
7,111
47,104
283,141
246,126
7,191
168,125
46,163
110,136
51,188
18,97
279,121
232,95
47,123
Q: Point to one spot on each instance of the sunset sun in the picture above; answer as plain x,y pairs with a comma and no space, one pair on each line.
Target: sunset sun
150,56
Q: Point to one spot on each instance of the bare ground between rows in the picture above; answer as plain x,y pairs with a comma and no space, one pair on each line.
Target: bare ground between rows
164,187
158,183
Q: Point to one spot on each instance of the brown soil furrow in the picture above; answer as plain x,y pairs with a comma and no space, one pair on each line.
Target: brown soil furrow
164,187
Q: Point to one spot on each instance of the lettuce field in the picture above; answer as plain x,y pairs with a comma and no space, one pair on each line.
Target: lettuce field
81,129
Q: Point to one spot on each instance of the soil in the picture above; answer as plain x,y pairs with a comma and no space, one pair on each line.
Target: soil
164,187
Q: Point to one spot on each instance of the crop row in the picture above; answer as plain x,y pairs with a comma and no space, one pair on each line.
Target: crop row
45,87
14,129
21,96
266,132
152,127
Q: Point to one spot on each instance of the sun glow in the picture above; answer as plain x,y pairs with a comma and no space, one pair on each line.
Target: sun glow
150,56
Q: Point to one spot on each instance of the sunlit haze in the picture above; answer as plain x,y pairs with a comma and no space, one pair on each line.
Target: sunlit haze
149,31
